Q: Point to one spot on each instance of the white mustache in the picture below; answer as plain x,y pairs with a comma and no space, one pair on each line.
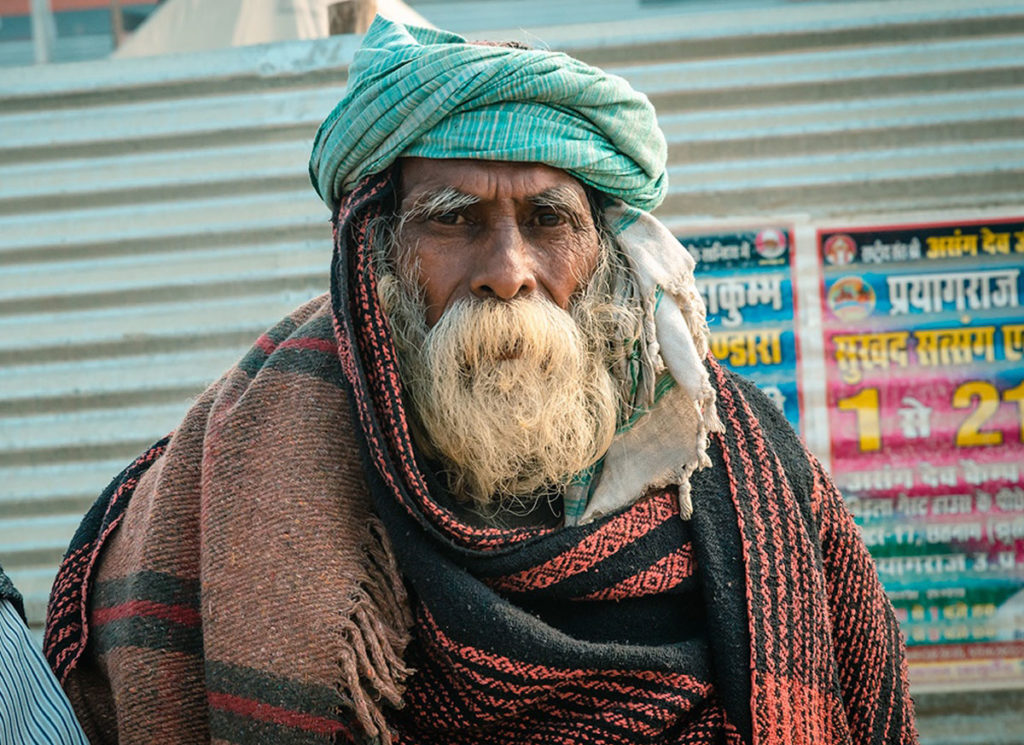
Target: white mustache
512,395
489,331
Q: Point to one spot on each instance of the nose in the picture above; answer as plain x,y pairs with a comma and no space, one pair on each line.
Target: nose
503,270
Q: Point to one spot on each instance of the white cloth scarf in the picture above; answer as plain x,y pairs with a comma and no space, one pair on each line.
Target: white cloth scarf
669,442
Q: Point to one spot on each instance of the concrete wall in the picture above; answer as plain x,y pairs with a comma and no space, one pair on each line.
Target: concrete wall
155,214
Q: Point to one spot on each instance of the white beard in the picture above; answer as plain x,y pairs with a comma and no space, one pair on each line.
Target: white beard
514,397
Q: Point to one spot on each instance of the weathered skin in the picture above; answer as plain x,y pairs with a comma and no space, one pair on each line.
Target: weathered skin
505,245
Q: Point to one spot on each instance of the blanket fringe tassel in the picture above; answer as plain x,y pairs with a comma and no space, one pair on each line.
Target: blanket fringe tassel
375,631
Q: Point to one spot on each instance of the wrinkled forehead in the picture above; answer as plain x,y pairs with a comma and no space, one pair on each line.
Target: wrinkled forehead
485,180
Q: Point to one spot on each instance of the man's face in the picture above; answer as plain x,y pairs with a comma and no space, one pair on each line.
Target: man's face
486,229
498,292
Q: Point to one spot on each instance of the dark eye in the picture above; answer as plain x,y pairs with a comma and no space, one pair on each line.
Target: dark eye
448,218
549,219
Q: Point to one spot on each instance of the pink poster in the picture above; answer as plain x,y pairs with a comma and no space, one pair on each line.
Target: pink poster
924,352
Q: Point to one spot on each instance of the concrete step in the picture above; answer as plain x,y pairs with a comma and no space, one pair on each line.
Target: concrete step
259,115
149,177
145,278
153,288
977,717
26,534
223,72
73,352
90,383
88,428
950,176
162,222
819,127
625,32
903,61
709,135
53,488
952,158
104,128
168,319
249,234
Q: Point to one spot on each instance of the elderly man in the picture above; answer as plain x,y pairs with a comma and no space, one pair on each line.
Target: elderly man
492,489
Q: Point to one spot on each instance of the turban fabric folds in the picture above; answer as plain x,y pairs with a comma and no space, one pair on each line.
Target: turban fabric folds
429,93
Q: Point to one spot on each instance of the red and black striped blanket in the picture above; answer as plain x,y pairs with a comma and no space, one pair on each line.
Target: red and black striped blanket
245,580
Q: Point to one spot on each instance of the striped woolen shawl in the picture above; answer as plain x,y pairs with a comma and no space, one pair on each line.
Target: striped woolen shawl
245,579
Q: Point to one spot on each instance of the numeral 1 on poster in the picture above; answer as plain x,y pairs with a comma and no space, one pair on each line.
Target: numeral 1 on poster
869,423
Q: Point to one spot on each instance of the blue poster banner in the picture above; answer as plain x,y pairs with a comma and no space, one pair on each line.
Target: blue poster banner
746,280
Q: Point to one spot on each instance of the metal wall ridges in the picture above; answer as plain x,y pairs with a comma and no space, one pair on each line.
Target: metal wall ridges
67,49
155,214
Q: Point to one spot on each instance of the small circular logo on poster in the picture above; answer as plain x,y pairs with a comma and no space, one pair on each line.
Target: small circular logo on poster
851,299
840,250
770,243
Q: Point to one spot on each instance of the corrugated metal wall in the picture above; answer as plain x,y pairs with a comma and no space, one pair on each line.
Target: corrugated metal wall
155,214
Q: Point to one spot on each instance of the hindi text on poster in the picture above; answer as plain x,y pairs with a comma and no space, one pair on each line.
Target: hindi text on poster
924,359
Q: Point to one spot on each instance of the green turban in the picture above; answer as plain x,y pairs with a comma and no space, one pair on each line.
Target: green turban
428,93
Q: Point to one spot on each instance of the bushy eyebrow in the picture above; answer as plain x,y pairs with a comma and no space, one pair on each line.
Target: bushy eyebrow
561,198
564,199
439,201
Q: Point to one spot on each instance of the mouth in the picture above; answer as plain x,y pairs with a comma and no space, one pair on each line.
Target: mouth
494,356
513,352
